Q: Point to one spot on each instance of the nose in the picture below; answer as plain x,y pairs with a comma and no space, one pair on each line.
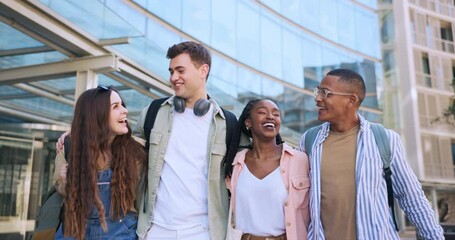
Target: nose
173,76
125,110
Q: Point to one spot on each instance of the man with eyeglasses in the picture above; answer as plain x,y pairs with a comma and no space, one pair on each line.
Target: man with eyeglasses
348,198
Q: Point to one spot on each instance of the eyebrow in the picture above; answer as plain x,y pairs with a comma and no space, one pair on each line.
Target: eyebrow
177,68
277,109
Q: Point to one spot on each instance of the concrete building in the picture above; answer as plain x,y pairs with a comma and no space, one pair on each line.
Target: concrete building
419,66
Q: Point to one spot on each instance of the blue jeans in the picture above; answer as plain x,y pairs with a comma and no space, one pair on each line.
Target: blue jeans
123,228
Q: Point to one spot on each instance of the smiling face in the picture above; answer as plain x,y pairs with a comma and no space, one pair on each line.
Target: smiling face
117,116
188,80
335,108
264,120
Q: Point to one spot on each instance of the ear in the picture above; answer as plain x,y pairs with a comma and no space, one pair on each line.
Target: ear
204,70
354,100
247,123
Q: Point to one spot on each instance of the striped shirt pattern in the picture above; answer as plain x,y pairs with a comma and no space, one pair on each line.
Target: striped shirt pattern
373,217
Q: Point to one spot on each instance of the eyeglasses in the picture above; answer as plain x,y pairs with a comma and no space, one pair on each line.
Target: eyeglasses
326,92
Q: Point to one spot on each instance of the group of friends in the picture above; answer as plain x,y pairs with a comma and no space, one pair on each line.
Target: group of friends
184,187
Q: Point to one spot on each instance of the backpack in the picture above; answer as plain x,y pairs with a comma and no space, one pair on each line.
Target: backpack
382,141
232,136
49,215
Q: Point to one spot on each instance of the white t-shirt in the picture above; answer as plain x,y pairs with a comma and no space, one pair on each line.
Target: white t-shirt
182,192
259,203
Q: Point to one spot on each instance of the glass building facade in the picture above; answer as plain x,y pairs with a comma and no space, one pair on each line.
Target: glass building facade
52,50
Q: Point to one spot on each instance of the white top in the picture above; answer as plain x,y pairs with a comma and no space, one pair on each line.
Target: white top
259,203
182,192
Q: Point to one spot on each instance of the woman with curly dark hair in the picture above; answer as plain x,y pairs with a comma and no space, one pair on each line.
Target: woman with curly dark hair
268,180
103,170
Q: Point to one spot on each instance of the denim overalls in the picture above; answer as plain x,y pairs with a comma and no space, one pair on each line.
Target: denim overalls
123,228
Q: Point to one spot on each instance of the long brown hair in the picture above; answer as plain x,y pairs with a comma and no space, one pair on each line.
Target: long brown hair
90,139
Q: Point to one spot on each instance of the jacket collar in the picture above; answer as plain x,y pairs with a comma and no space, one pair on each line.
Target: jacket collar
240,157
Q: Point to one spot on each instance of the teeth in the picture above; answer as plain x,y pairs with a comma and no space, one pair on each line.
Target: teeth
268,125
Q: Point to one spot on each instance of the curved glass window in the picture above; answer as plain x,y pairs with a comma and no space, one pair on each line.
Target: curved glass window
292,62
196,19
94,17
248,35
224,32
271,47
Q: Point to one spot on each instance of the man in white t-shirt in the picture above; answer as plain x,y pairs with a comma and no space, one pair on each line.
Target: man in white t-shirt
186,197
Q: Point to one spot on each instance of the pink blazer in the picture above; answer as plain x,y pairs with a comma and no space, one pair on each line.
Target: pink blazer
294,171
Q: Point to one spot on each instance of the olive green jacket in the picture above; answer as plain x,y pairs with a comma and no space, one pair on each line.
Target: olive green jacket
218,201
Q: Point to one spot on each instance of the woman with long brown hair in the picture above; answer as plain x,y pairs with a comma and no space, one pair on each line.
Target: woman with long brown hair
103,168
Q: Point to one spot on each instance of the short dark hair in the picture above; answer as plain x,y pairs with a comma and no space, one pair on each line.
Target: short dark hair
353,79
199,54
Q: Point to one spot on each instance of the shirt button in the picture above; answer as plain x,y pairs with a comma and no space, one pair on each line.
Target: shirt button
288,224
301,184
286,203
283,171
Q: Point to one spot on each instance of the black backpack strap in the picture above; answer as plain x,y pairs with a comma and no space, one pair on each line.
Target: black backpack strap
232,139
150,119
67,144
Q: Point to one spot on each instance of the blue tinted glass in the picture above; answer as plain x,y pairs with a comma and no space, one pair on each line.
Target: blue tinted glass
292,58
291,9
275,5
271,47
8,90
66,84
248,82
134,101
272,89
328,27
370,116
367,69
40,105
129,14
147,54
223,27
161,37
13,39
298,111
330,57
346,24
196,19
367,33
312,62
94,17
30,59
170,11
248,48
311,15
223,69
